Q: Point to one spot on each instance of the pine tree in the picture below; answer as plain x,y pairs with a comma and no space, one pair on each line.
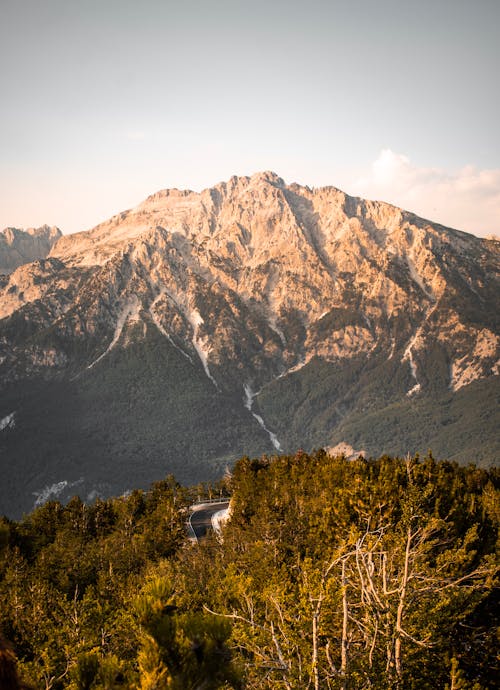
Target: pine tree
181,650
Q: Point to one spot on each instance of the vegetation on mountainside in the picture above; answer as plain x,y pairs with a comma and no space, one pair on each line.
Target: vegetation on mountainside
119,415
330,574
364,403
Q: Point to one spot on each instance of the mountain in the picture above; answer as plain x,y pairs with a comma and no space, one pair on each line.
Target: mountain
18,247
255,316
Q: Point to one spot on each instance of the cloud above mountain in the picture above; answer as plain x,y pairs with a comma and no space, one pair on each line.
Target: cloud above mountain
467,198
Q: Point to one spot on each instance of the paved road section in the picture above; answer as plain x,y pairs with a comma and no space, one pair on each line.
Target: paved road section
201,519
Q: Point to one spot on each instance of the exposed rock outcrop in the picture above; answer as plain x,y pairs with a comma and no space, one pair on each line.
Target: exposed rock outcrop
18,247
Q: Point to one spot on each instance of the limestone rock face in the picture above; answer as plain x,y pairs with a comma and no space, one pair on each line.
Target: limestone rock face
254,316
19,247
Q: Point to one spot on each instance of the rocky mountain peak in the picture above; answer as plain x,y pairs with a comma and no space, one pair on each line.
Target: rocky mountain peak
18,247
267,177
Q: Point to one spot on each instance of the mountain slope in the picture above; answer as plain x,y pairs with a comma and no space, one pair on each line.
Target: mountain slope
251,317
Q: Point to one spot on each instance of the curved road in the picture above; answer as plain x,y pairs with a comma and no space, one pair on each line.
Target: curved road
201,519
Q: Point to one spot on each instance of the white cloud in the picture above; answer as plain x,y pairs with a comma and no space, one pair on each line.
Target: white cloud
467,199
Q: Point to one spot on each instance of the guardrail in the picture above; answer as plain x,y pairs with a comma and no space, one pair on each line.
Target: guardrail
210,501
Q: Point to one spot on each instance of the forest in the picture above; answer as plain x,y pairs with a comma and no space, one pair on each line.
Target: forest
329,574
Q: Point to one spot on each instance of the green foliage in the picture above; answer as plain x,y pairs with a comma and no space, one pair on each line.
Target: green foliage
337,574
68,575
180,649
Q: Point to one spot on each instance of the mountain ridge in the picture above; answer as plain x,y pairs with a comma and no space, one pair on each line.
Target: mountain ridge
285,307
18,247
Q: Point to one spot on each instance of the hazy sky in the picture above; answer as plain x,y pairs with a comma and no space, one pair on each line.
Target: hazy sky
106,101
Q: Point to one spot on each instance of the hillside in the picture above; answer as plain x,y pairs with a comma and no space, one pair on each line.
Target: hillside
255,316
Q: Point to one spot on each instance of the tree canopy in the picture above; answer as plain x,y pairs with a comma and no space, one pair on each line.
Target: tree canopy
329,573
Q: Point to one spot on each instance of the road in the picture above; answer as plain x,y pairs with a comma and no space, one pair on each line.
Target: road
201,519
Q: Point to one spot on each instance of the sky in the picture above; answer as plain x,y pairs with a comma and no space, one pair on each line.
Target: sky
104,102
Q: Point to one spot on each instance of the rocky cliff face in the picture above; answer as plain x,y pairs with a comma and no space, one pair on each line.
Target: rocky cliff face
255,316
19,247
